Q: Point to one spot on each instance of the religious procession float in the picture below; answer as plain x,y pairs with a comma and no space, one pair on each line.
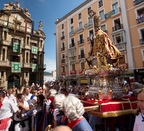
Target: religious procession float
107,97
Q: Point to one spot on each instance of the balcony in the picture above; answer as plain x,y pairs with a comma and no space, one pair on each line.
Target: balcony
72,45
141,41
117,27
80,29
5,42
140,19
71,33
26,46
89,24
73,72
63,48
136,2
72,52
5,63
121,46
81,56
27,65
113,12
81,42
63,37
63,61
102,17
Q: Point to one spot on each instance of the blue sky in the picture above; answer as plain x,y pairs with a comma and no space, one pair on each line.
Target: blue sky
47,11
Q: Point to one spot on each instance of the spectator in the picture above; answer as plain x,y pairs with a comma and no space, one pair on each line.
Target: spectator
27,93
74,110
21,123
139,120
59,117
10,95
7,108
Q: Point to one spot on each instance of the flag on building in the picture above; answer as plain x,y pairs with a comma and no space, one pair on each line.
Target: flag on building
16,67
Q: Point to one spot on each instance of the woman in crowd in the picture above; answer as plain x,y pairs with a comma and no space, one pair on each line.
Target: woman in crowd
59,117
139,120
74,110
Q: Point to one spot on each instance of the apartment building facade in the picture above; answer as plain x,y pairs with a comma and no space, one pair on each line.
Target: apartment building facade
122,20
21,48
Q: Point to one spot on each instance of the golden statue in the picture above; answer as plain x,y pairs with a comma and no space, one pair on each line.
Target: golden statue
102,48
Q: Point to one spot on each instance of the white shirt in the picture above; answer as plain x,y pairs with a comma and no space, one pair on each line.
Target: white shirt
7,109
139,124
28,97
12,98
16,117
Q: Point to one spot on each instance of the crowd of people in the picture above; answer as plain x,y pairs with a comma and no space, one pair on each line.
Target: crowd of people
52,108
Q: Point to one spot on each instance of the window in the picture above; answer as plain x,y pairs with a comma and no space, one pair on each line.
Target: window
62,33
100,3
62,46
26,74
28,40
2,74
3,54
14,58
90,20
141,36
118,38
62,26
73,67
81,38
72,42
5,35
80,24
142,33
140,15
90,32
79,16
82,66
72,28
63,68
142,52
0,35
117,25
101,14
115,6
71,20
122,60
27,57
103,27
41,44
72,53
63,56
82,53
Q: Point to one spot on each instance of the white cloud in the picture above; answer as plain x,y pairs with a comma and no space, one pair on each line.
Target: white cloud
50,64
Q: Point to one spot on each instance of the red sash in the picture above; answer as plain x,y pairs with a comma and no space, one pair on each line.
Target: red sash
4,123
74,123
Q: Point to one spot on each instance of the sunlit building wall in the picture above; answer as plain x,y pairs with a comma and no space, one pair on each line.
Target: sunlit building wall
122,20
21,48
